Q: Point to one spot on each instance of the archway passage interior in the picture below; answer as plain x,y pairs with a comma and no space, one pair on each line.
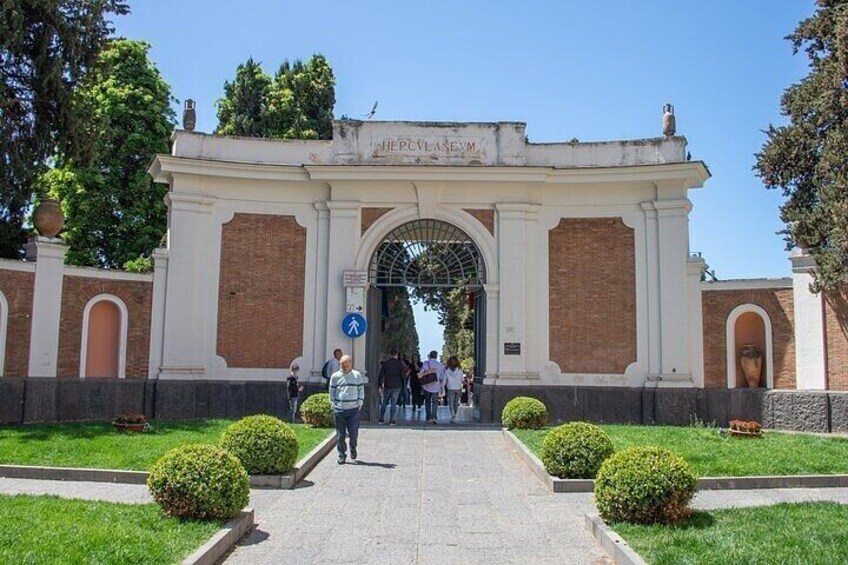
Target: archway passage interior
437,263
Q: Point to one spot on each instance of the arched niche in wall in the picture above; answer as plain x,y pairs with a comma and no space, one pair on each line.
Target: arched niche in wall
4,322
749,324
103,351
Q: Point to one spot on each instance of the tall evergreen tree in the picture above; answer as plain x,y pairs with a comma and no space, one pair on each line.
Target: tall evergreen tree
46,47
296,104
242,109
399,332
807,158
114,210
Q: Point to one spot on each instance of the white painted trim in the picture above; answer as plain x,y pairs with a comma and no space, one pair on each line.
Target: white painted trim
122,339
730,343
107,274
747,284
4,321
13,265
484,240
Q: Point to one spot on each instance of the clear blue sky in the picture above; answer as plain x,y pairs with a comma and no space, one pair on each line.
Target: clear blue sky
590,70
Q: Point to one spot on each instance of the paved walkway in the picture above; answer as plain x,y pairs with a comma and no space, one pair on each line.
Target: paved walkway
420,495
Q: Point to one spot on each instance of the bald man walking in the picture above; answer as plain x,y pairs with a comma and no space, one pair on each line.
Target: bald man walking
347,394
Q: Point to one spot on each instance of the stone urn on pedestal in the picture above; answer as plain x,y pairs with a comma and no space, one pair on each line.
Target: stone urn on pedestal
752,365
48,218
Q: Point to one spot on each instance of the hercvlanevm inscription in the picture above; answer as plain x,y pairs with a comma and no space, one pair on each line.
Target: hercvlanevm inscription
405,145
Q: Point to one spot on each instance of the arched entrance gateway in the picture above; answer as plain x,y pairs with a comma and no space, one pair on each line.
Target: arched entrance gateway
438,263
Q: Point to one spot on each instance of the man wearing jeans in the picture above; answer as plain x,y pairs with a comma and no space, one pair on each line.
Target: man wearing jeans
347,394
390,381
431,389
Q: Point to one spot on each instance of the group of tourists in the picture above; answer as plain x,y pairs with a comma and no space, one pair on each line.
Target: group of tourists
425,383
399,381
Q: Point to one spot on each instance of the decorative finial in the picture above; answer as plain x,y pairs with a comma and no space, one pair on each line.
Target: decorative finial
189,116
668,123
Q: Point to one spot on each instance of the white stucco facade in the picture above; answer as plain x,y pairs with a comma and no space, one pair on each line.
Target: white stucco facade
439,171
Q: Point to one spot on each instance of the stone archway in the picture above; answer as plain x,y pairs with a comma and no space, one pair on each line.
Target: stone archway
429,255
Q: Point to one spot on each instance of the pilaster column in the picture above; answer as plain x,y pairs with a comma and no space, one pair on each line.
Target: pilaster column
513,264
343,241
673,239
810,350
157,312
321,350
184,335
653,279
49,257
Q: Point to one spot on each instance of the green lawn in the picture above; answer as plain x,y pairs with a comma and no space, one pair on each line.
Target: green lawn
808,533
48,530
99,445
714,455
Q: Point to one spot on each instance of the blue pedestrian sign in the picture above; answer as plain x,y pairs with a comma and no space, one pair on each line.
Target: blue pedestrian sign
354,325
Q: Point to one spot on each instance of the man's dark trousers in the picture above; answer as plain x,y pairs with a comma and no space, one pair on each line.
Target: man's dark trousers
347,423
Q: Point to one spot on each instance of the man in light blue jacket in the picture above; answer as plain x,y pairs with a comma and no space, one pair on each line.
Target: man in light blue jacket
347,394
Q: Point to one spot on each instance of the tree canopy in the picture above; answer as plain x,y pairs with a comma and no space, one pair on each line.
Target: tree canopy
46,47
808,158
114,211
296,104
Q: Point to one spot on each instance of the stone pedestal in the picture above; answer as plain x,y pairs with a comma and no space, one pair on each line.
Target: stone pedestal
49,255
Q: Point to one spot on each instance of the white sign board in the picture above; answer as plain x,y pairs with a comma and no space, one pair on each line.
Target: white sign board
355,300
353,279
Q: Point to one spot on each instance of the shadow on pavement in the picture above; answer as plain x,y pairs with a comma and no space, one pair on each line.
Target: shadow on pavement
360,462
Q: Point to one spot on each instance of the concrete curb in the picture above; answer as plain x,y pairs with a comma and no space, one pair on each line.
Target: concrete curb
74,474
223,540
614,545
287,481
299,471
707,483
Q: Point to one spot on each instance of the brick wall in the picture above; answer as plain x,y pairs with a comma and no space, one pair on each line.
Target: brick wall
592,277
76,293
371,215
485,217
260,293
17,287
836,341
778,303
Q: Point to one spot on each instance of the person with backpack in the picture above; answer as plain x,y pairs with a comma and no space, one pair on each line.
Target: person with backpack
331,367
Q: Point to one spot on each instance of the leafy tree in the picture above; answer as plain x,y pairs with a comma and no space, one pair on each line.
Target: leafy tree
296,104
114,211
242,109
807,158
46,47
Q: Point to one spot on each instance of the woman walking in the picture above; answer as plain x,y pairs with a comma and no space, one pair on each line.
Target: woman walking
453,383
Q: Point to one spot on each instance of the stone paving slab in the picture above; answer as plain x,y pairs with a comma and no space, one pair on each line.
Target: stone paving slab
108,492
420,496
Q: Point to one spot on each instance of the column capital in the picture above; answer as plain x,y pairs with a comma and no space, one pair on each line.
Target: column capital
190,202
673,207
802,261
45,248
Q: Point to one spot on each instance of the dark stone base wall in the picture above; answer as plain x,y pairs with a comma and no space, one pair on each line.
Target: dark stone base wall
807,411
33,400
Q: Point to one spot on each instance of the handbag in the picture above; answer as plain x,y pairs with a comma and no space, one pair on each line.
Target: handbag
429,378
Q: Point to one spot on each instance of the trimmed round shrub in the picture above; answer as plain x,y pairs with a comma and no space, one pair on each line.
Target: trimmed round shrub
265,445
317,411
575,450
523,412
645,485
199,481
